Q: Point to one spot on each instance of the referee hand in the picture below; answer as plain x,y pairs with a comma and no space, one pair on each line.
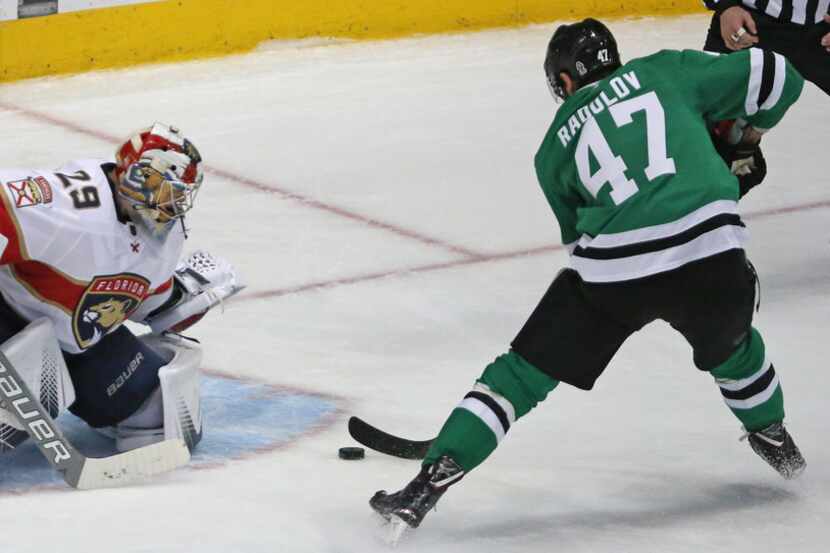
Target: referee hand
826,40
737,28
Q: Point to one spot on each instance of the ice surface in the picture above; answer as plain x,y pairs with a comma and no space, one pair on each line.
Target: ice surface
381,202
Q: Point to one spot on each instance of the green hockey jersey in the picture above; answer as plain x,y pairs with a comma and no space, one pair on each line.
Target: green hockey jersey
630,171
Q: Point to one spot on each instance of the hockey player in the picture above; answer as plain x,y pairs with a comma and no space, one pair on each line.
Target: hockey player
648,212
91,245
798,29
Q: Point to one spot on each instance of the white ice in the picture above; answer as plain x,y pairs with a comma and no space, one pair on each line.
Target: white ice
380,199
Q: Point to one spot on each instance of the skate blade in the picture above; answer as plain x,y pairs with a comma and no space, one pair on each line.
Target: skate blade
795,472
395,530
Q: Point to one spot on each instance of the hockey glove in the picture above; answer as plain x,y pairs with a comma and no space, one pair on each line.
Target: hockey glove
744,160
200,282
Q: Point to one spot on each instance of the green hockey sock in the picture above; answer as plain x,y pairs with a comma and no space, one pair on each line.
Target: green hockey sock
749,385
507,390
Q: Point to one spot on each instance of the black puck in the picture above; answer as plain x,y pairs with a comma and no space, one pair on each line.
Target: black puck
351,453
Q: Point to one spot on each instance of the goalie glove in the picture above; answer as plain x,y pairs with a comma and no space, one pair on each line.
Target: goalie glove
744,160
200,282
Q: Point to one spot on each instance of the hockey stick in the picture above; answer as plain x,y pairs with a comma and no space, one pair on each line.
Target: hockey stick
380,441
79,471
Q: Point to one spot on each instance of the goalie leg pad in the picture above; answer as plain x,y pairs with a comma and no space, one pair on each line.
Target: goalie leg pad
174,410
35,354
114,378
180,387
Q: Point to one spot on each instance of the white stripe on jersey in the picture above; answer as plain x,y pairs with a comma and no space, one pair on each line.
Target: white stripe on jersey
716,241
823,7
735,385
616,239
778,83
774,8
756,73
483,412
755,400
800,11
3,243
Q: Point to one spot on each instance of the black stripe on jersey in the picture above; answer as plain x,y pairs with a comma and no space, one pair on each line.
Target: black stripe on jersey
761,6
786,11
812,12
767,77
722,220
753,389
493,405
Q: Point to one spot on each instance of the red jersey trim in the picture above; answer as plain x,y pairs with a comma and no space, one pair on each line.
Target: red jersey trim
49,285
164,287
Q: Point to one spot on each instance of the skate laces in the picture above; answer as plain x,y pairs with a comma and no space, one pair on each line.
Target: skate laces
444,472
765,437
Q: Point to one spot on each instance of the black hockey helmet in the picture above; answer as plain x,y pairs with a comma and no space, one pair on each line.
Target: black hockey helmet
586,51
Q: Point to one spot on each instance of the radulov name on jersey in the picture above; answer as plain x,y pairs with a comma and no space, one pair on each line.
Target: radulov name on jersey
107,302
599,104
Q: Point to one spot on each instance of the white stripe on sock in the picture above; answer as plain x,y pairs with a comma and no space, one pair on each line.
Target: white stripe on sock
480,409
498,398
735,385
755,400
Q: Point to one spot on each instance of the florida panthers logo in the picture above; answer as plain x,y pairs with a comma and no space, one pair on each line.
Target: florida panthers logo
107,302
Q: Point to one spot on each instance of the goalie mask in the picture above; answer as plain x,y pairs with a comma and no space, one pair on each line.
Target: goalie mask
158,174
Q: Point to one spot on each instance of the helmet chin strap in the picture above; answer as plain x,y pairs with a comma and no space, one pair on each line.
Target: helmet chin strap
184,228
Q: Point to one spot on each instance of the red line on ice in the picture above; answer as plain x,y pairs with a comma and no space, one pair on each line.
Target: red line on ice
258,185
469,257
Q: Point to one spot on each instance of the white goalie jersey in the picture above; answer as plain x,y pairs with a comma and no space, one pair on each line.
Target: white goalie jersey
67,256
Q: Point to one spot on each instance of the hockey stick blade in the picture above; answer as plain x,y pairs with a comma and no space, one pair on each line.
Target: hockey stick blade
380,441
76,469
129,467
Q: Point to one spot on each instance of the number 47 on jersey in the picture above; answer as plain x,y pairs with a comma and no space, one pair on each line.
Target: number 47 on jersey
612,167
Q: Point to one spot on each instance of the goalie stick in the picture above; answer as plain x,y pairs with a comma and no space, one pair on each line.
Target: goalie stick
380,441
77,470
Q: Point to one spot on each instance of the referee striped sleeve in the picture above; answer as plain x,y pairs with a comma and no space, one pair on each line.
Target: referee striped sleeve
822,9
799,12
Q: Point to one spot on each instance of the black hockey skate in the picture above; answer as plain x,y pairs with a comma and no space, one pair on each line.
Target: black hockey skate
774,445
412,503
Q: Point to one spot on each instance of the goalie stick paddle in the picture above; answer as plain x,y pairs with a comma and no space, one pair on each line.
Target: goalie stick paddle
380,441
77,470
